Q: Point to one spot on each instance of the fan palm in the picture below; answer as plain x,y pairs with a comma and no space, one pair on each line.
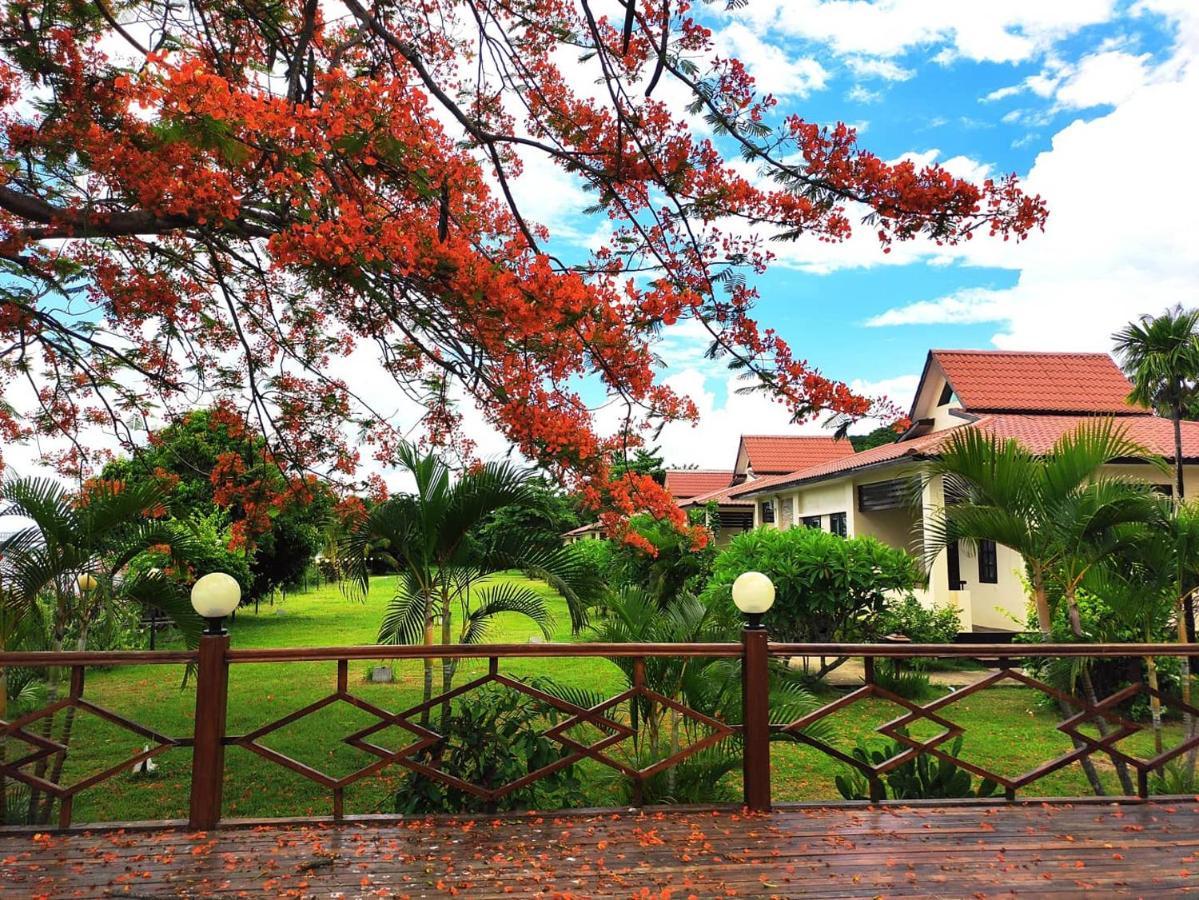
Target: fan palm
444,576
75,556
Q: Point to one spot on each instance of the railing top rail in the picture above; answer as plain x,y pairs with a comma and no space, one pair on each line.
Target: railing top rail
40,658
482,651
986,651
477,651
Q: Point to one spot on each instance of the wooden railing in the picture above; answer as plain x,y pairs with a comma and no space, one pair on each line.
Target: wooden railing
1094,728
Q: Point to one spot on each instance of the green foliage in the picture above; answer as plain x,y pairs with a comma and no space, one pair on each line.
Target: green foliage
828,588
677,566
919,623
644,461
184,454
884,434
209,549
924,777
906,678
492,739
541,517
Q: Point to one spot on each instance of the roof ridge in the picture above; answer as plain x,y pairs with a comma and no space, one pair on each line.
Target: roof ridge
978,352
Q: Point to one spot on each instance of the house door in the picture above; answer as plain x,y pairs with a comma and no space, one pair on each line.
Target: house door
954,568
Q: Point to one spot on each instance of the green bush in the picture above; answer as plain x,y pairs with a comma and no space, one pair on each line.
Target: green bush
828,588
923,778
675,568
493,738
919,623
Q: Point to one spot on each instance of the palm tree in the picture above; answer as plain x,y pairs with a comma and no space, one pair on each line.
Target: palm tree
444,576
1058,511
75,558
709,686
1160,354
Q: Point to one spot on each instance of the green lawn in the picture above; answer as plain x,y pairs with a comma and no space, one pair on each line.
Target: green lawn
1006,729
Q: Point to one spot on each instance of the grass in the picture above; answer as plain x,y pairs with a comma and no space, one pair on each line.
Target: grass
1006,729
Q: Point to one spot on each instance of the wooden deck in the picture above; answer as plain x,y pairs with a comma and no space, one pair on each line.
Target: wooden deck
992,851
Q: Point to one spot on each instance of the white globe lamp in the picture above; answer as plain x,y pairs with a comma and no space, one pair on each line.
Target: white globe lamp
215,596
753,594
86,582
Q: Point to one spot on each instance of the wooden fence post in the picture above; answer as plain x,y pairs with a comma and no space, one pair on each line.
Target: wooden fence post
208,752
755,702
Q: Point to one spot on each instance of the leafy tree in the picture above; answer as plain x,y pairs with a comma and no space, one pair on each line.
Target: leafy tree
665,561
884,434
1160,354
828,588
642,462
443,577
222,201
211,463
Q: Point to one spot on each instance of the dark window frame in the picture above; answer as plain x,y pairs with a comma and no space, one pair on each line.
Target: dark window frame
810,522
766,507
838,523
988,562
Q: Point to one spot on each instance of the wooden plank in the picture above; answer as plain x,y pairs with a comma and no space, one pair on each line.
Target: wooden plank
1148,849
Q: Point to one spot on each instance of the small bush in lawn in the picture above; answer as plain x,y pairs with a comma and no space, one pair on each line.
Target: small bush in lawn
492,738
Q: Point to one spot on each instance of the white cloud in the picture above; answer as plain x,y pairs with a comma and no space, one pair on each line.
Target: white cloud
1102,78
1107,77
1008,31
774,71
866,67
860,94
1115,245
964,307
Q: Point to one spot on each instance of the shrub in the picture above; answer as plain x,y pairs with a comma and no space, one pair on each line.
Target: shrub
492,739
828,588
919,623
923,778
676,567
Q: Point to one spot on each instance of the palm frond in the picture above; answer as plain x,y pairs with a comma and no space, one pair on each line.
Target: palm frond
406,615
506,597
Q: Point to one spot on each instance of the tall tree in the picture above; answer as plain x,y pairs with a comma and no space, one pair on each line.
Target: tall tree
1160,354
222,198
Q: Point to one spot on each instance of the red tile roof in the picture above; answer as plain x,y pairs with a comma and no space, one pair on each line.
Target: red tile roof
996,380
724,496
685,483
1037,433
778,454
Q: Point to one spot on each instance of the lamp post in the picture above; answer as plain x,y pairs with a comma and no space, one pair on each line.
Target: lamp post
753,594
213,597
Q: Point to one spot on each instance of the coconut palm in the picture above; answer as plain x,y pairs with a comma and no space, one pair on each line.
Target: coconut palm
1160,354
1059,511
445,578
73,562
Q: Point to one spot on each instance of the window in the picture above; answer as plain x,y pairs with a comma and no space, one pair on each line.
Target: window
1164,489
811,522
988,563
946,394
836,524
767,509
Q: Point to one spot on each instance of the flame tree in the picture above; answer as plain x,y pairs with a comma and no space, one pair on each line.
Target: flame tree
218,198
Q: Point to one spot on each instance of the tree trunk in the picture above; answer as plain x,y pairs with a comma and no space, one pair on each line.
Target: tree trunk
1155,704
1045,623
447,668
1088,687
428,664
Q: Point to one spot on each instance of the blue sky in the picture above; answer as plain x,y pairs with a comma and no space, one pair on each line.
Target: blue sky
1091,101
